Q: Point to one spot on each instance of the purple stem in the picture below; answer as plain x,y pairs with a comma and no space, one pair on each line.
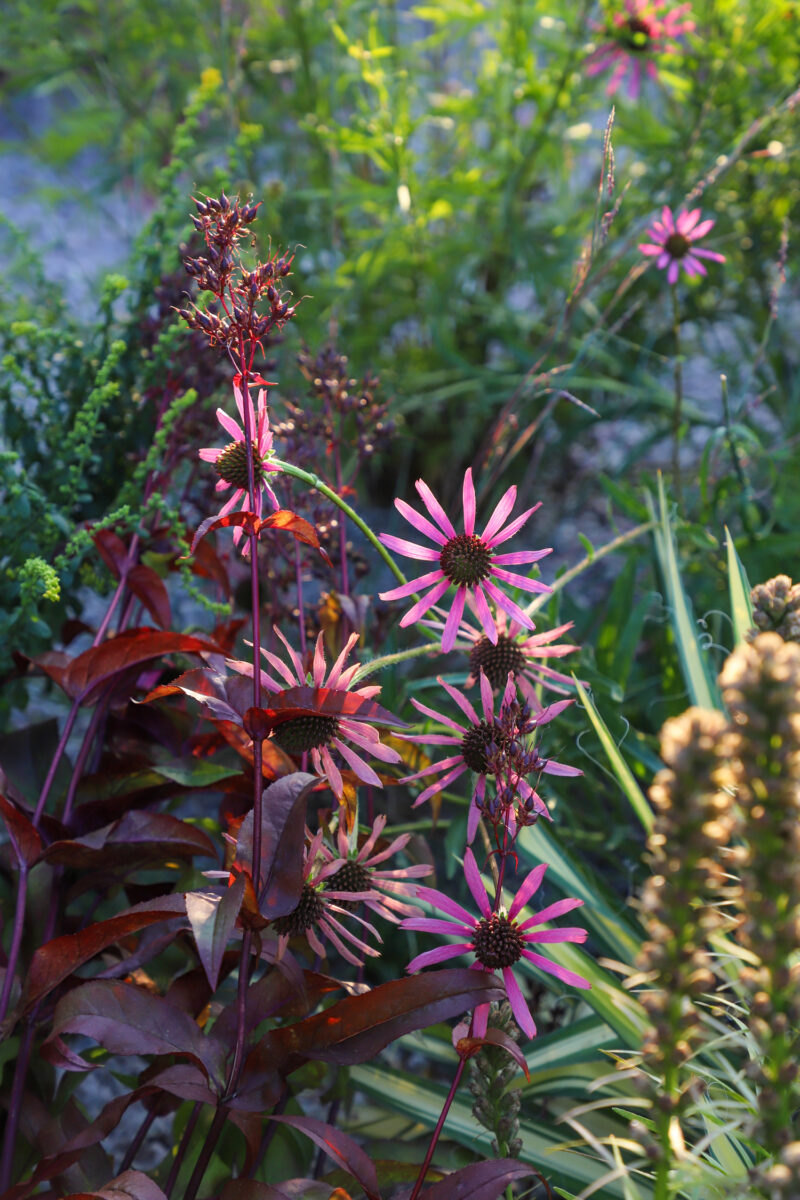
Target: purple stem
241,1013
342,527
209,1145
451,1095
16,937
15,1107
185,1142
298,570
56,760
141,1134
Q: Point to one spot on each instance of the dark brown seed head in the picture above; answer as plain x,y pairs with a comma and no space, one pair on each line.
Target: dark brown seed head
466,560
497,942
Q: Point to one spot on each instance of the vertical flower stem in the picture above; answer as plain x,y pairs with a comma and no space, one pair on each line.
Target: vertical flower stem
301,616
677,412
138,1139
451,1095
15,1106
241,1012
55,762
208,1148
16,936
185,1142
337,458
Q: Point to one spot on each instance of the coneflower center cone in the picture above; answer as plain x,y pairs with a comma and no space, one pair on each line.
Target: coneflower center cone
351,877
308,911
677,245
466,560
497,942
496,661
308,732
232,466
475,745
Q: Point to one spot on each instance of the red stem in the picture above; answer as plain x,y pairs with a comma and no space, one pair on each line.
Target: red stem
451,1095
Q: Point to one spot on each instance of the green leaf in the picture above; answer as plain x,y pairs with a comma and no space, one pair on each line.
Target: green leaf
739,587
620,768
697,674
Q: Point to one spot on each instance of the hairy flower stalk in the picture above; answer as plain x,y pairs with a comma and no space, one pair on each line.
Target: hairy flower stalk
687,851
761,688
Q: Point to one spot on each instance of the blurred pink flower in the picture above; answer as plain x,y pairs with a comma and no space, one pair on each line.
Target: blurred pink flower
673,243
361,870
465,560
325,729
644,29
473,741
499,939
230,462
515,652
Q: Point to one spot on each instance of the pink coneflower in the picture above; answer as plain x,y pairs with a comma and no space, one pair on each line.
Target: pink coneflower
513,652
473,741
465,560
359,870
673,242
645,28
315,912
325,729
498,940
230,462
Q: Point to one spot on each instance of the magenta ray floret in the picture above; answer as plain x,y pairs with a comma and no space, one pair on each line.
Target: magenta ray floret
230,461
465,560
497,939
673,243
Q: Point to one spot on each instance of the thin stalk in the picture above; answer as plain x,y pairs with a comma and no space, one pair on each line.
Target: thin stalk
141,1134
388,660
15,1107
55,762
677,411
573,572
16,937
315,482
451,1095
241,1012
208,1148
301,617
185,1142
337,459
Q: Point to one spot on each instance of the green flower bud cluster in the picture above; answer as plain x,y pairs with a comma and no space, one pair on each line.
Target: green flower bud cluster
491,1071
761,688
776,607
679,904
37,581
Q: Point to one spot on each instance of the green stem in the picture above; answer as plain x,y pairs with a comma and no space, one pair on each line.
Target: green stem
315,482
678,409
588,561
388,660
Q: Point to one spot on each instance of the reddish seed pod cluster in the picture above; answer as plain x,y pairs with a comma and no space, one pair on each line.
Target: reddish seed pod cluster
238,315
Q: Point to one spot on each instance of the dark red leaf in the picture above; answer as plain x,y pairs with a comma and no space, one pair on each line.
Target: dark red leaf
289,522
132,648
480,1181
24,838
137,838
339,1146
355,1029
149,587
56,959
248,521
469,1046
125,1019
130,1185
208,565
112,550
212,916
282,838
184,1080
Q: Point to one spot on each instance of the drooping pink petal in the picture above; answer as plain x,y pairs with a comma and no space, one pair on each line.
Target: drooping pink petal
363,770
518,557
487,699
461,700
552,936
229,425
524,582
712,254
445,904
331,771
484,615
440,784
409,549
480,1021
551,767
438,925
432,768
559,972
422,606
440,954
506,603
672,271
519,1006
437,716
413,585
451,627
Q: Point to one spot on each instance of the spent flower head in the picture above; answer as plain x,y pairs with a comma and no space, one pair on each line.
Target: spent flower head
466,561
497,940
673,243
